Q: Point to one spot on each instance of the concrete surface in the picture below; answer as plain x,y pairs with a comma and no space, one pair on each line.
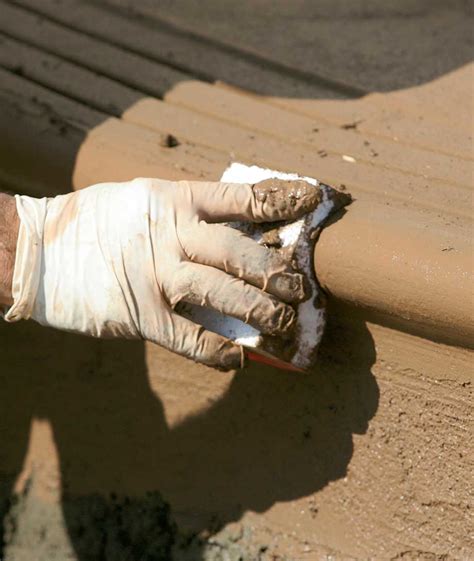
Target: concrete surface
119,450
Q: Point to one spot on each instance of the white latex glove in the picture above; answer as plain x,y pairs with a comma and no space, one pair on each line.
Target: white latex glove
113,260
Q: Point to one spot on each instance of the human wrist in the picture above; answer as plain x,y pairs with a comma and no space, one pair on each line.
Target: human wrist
9,227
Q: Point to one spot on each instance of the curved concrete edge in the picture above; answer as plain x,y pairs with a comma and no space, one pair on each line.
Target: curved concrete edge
400,263
403,268
406,268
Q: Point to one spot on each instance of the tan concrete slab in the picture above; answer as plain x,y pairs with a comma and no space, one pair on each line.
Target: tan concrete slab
367,456
317,134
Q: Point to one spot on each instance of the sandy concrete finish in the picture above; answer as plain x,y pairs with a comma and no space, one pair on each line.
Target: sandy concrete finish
324,155
371,45
94,54
166,45
43,129
418,116
366,457
68,144
370,456
259,114
119,151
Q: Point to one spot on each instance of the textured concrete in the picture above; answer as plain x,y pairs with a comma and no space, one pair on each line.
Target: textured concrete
119,450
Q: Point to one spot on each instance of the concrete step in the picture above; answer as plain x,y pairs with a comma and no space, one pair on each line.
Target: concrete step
51,144
368,455
182,51
96,54
424,282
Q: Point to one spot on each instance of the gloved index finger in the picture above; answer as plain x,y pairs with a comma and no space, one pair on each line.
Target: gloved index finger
266,201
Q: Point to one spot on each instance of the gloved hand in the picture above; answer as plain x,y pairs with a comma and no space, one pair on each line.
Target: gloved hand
113,260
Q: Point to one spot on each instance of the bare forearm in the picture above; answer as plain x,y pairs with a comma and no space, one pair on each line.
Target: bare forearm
9,225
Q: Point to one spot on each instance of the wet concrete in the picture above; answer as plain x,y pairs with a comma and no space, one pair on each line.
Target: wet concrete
366,456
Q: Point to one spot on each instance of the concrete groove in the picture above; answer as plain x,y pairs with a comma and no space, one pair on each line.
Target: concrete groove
185,53
124,92
102,108
256,114
262,61
19,90
439,139
80,124
116,63
404,102
458,148
50,15
262,149
48,130
458,145
65,78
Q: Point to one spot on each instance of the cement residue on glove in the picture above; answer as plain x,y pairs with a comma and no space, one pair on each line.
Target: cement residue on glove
294,241
116,259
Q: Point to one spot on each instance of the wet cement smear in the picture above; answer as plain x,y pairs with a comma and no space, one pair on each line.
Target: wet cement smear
296,241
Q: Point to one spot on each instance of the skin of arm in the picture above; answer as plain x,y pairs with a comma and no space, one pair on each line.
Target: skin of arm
9,226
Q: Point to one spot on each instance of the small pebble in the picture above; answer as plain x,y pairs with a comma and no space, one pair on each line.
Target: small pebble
169,141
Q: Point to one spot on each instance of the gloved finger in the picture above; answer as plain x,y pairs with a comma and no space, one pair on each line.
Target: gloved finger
237,254
210,287
267,201
193,341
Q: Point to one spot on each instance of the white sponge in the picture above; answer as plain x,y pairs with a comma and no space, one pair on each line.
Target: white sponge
296,241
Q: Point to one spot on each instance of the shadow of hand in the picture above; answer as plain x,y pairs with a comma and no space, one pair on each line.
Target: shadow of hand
273,436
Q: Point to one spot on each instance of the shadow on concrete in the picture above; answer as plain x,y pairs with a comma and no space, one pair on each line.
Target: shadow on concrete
323,48
273,436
